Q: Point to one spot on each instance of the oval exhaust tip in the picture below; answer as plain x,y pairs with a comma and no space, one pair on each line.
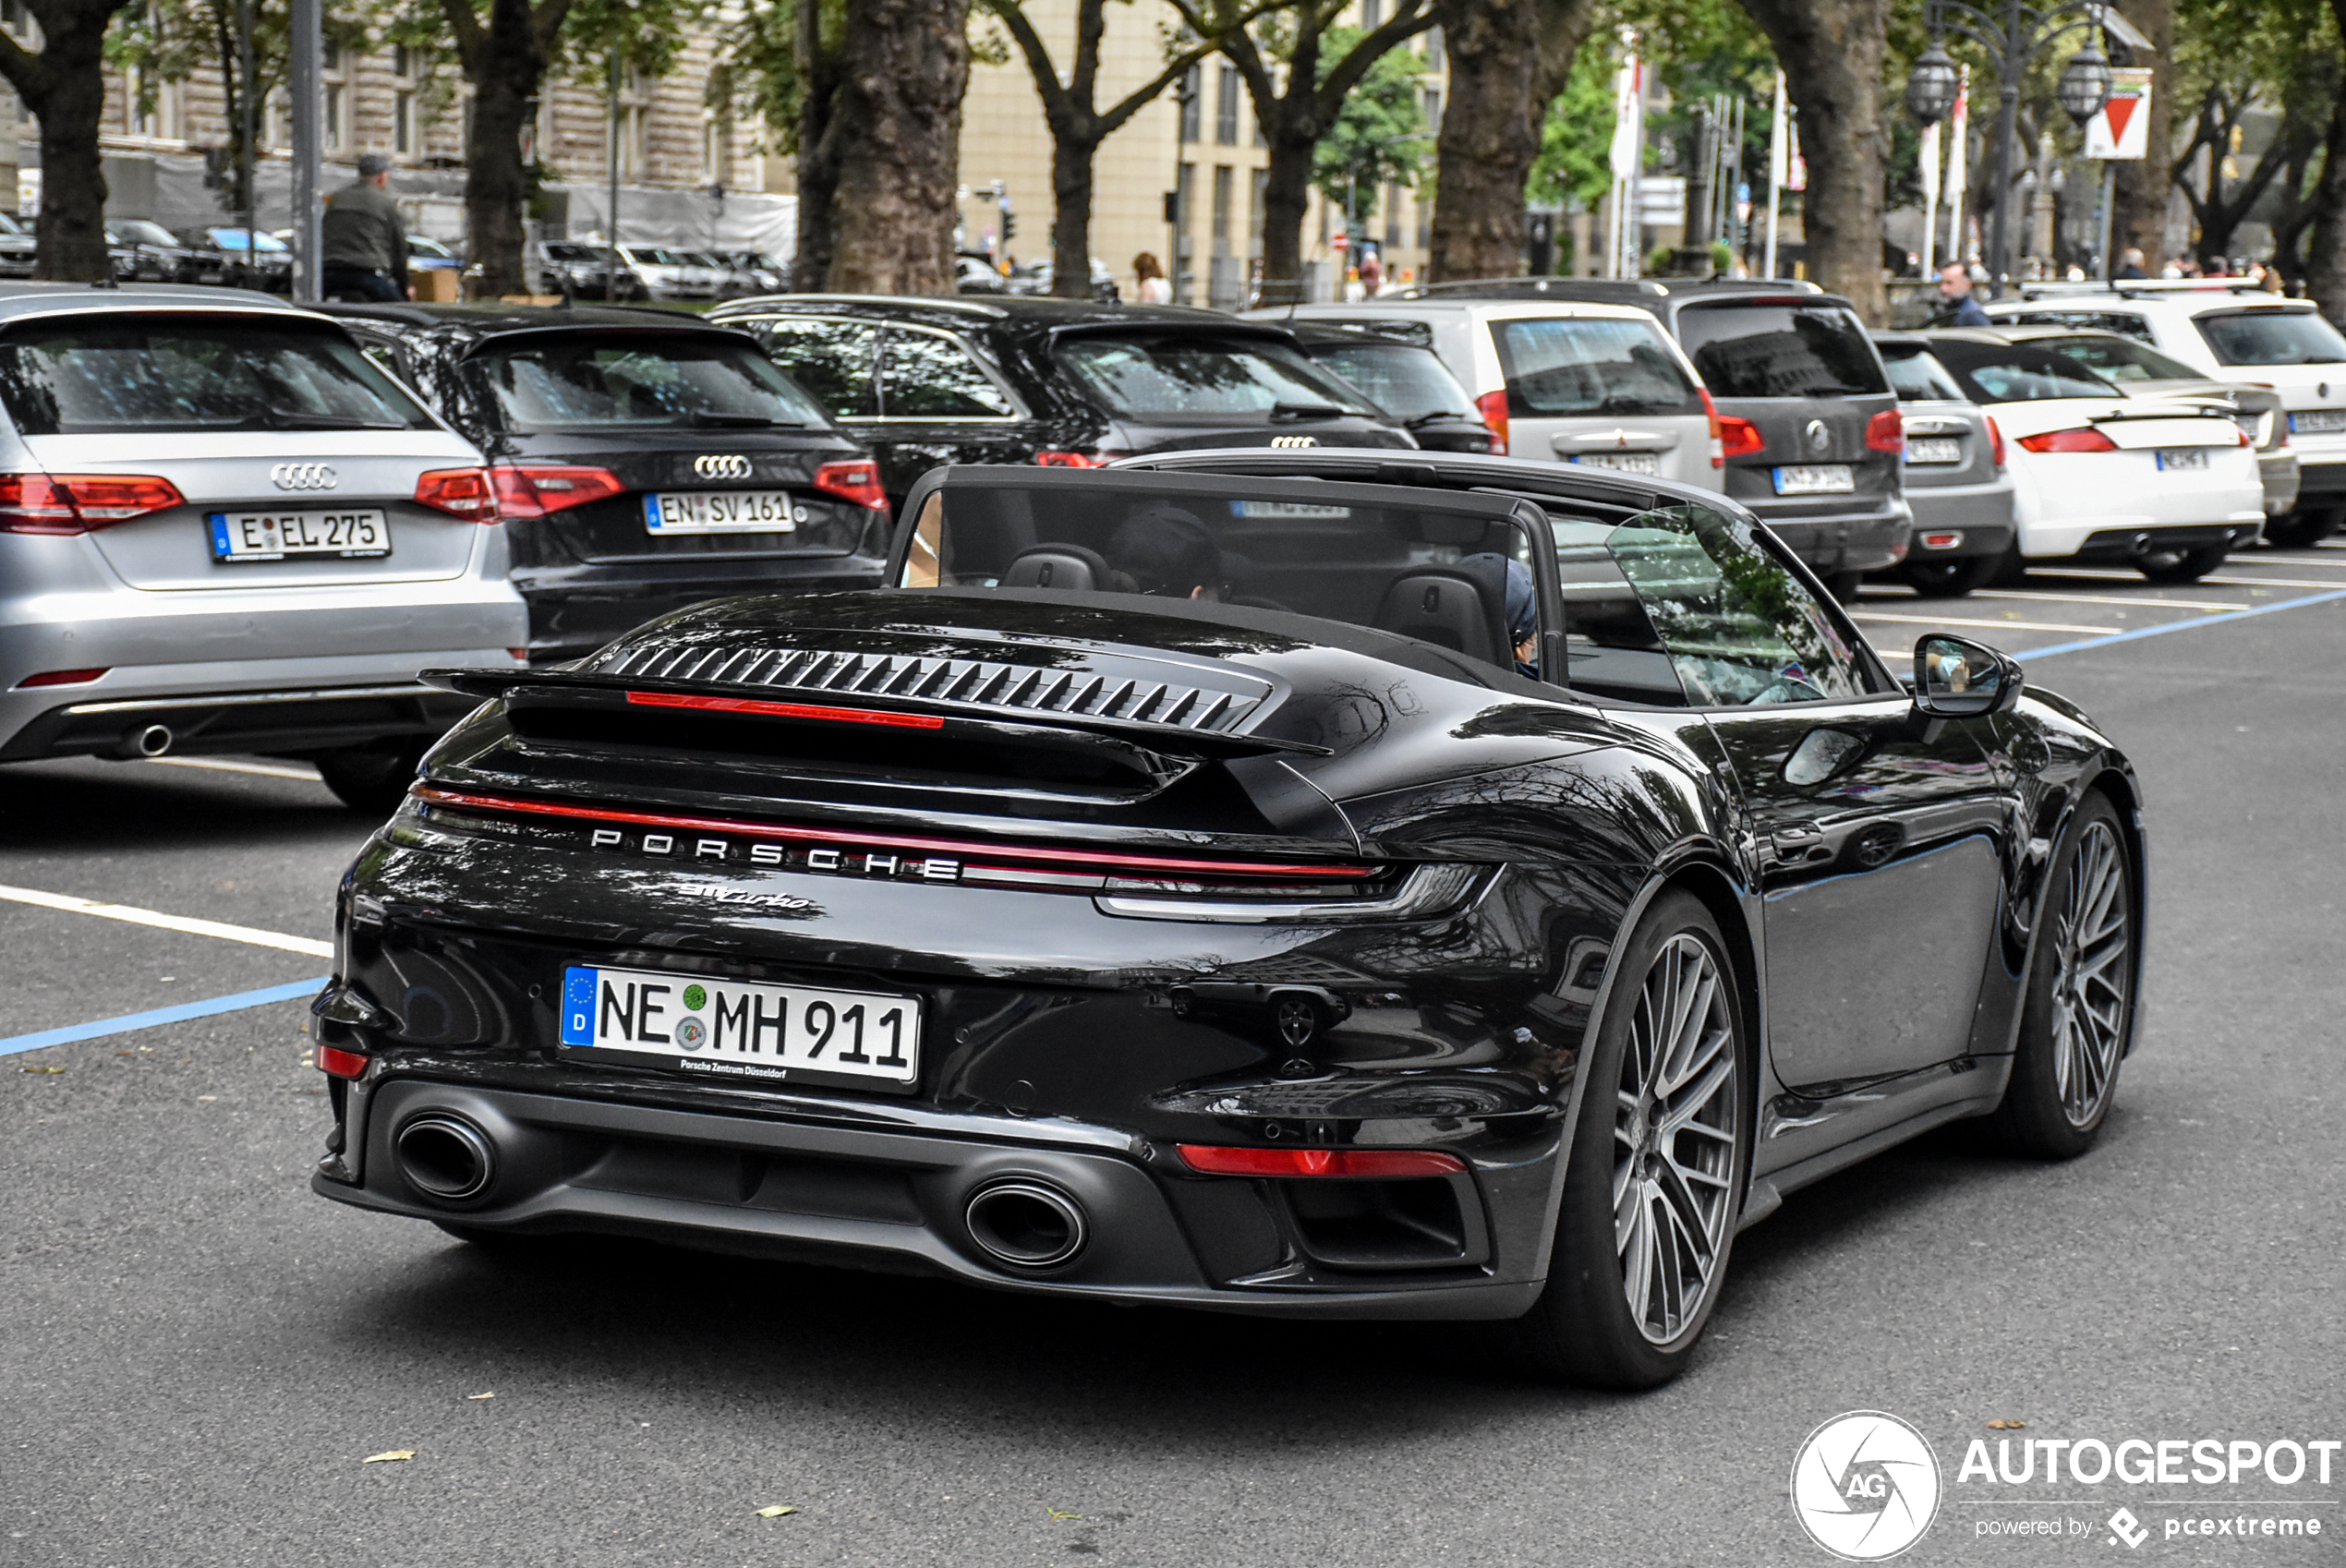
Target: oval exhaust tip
445,1157
1027,1224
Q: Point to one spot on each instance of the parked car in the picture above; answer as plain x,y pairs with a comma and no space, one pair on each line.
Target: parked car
1957,479
2166,486
644,460
974,272
2139,371
765,274
431,256
224,529
1062,383
1037,277
1404,377
260,262
1809,424
19,250
1047,922
589,272
2232,332
670,274
146,252
1599,386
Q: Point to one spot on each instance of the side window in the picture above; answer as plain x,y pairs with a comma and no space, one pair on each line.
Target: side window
930,377
831,360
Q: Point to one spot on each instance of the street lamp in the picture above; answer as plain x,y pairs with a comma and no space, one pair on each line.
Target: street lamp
2011,41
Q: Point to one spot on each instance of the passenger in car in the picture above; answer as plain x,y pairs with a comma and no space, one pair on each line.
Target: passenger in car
1169,554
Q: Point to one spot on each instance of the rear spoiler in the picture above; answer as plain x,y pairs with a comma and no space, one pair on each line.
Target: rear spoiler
808,704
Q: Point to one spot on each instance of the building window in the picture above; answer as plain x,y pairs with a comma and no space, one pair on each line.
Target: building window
336,99
1434,59
335,104
1392,216
712,152
403,122
1223,181
1192,91
1371,13
634,127
1256,213
1425,223
1433,109
1185,203
1226,107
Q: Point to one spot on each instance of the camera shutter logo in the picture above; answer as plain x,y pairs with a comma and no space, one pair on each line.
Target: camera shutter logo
303,476
1865,1486
721,466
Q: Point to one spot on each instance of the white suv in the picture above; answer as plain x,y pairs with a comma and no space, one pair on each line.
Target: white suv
2233,333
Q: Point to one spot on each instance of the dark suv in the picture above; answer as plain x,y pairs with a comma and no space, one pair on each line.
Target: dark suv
644,460
1063,382
1811,429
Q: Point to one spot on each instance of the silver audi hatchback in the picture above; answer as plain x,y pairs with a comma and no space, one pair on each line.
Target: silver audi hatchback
223,528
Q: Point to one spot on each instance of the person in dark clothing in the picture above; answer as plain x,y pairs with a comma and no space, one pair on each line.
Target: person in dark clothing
1954,287
2130,264
363,239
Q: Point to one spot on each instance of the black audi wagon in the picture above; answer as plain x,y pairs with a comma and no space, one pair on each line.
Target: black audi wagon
644,460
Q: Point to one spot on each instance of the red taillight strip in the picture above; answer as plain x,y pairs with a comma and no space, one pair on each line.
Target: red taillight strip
1212,1160
433,795
787,711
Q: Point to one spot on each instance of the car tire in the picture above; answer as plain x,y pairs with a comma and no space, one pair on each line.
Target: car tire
1951,579
2182,565
1584,1329
2301,529
372,778
2064,1066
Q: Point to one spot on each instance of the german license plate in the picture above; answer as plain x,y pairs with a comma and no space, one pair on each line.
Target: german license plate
2184,457
273,535
729,1029
1816,480
2317,419
1622,461
1929,449
723,511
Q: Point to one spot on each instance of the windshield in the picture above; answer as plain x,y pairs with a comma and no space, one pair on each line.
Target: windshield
233,239
2121,360
1570,364
1779,350
2018,373
1408,383
579,380
138,231
93,375
1197,376
2272,337
1916,377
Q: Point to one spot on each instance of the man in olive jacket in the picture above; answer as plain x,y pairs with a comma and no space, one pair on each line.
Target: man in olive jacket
363,240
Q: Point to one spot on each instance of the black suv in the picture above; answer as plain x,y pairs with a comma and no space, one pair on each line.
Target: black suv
1399,370
643,459
1063,382
1810,426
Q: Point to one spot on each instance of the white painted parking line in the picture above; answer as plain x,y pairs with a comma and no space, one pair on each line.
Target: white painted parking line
2211,578
2110,598
1991,625
265,769
136,916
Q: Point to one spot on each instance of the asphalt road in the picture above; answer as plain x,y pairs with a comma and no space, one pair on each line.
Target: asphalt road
197,1355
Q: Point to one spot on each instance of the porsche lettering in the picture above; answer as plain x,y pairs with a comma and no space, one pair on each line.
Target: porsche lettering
820,859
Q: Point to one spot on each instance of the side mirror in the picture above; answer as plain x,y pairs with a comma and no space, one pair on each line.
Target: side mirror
1956,678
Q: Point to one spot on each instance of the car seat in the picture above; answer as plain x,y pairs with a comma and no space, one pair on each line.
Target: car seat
1449,607
1069,569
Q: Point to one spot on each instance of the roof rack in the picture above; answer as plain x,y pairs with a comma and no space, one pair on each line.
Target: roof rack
2143,288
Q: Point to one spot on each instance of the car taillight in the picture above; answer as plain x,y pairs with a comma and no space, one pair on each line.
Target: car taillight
337,1063
1212,1160
2244,440
1493,407
1067,460
1718,445
533,490
2068,440
1886,432
1738,437
460,492
858,481
76,504
1995,442
61,678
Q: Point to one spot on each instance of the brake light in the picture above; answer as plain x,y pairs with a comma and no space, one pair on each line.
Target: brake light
858,481
337,1063
533,490
1493,407
2068,440
1718,443
1886,432
60,678
1067,460
76,504
1213,1160
460,492
788,710
1995,442
1738,437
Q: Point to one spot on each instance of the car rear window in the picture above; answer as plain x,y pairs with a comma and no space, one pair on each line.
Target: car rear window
2018,373
1567,365
639,381
1917,375
1194,376
2122,359
1408,383
2272,337
1780,349
101,374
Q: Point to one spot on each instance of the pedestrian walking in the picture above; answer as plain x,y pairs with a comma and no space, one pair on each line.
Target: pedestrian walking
1954,287
363,237
1152,288
2130,264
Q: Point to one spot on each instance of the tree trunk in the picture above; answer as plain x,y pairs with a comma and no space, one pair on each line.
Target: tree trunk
1508,60
70,231
1833,52
1286,197
505,62
2325,255
2146,185
820,140
1071,156
906,64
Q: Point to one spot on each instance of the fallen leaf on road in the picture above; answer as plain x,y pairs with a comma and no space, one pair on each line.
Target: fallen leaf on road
775,1511
1062,1513
480,1396
41,1069
389,1456
2005,1426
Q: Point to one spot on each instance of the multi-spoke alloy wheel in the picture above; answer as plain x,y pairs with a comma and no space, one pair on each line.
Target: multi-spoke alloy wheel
1673,1139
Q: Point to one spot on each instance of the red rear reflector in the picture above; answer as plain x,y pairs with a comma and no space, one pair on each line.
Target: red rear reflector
60,678
1067,460
533,490
787,711
1740,438
460,492
1214,1161
1493,407
341,1064
1942,541
2068,440
75,503
858,481
1711,412
1886,432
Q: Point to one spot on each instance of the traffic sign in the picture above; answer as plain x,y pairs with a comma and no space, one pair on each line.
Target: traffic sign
2122,127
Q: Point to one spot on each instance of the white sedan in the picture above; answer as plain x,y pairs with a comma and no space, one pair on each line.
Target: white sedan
2166,485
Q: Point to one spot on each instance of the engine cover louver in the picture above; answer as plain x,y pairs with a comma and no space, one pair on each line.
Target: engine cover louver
1099,686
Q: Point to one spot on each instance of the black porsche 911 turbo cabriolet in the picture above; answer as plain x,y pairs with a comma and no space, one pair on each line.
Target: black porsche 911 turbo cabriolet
1436,888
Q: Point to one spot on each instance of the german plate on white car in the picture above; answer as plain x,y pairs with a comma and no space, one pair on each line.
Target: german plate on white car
2178,458
1933,449
272,535
738,1028
2317,419
1815,479
723,511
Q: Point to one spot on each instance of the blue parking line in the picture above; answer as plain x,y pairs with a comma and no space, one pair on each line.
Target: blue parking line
179,1014
2179,625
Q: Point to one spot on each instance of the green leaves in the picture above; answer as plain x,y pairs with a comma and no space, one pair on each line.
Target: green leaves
1380,134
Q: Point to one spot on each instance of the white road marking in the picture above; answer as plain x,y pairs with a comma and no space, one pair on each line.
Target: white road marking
2250,582
136,916
2108,599
1991,625
266,771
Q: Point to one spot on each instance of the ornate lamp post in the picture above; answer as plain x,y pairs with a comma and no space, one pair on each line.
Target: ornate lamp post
2011,41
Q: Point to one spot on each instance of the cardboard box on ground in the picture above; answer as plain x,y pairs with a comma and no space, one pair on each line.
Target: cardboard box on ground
436,285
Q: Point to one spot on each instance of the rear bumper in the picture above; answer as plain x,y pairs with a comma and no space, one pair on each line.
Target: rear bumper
2320,483
1864,541
107,721
1981,514
2284,479
2124,545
